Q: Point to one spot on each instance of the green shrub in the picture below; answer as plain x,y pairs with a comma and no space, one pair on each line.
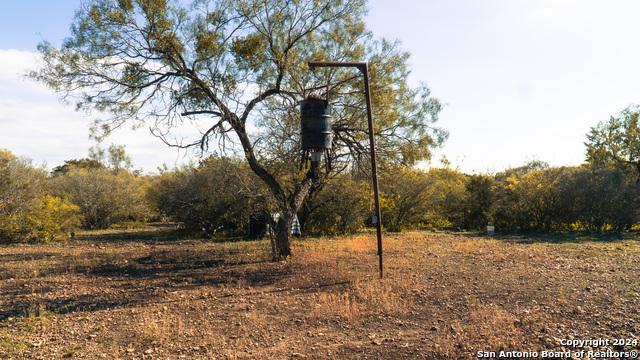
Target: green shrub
104,196
26,211
340,207
215,195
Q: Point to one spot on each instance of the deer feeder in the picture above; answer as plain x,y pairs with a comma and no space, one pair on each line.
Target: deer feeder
315,129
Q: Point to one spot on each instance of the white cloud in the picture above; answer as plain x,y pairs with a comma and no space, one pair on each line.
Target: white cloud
37,125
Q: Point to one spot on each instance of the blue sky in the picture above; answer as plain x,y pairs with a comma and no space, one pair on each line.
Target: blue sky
522,79
24,24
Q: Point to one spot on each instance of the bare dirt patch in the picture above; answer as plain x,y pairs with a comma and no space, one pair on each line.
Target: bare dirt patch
146,295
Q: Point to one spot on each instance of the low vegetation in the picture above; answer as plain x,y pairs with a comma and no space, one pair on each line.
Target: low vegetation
218,196
27,211
149,293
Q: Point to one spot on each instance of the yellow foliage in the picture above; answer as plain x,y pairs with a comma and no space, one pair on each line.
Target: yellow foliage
26,211
54,217
249,50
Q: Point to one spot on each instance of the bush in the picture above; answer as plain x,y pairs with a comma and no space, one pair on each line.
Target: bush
412,198
53,216
603,198
105,197
478,209
26,211
592,198
448,193
535,200
339,208
215,195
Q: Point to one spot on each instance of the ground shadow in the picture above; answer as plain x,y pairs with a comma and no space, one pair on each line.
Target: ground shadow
559,237
155,233
126,276
569,237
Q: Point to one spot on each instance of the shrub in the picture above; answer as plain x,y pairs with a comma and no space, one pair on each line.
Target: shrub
215,195
104,197
54,216
603,198
339,208
26,211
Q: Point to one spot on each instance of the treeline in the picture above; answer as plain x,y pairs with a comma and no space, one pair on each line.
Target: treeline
530,198
220,195
36,205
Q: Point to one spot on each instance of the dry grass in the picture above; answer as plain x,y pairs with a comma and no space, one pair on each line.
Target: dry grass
147,294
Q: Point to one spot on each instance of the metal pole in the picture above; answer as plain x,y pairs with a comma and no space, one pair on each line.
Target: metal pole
362,66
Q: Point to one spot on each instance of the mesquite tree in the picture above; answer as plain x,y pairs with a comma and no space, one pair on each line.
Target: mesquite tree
617,140
234,71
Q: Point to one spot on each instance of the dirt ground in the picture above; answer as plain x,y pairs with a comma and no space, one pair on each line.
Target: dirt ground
149,294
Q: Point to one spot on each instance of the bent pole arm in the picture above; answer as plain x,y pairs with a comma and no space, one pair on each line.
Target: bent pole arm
362,66
315,64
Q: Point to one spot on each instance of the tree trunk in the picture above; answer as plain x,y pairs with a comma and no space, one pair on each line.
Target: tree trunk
290,209
283,235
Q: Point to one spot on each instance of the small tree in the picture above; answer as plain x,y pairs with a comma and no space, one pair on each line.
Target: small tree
616,140
239,67
339,207
447,197
538,198
105,197
404,198
217,193
602,197
478,209
27,212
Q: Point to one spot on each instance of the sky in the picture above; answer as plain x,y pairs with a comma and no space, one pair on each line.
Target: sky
521,80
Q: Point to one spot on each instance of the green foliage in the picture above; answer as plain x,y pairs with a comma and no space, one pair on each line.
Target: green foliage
27,212
340,207
616,140
478,207
603,198
591,197
218,194
104,197
53,216
606,193
409,199
404,198
419,199
248,51
534,199
20,188
71,164
447,200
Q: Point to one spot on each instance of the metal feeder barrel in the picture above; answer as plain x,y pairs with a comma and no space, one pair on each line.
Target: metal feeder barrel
315,124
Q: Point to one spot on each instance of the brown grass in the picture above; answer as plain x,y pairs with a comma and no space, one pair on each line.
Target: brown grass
148,294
